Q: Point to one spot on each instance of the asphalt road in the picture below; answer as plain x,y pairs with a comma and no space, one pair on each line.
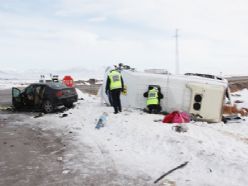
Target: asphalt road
27,154
5,97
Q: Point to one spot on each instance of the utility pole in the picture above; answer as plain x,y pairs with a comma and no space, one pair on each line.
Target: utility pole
177,54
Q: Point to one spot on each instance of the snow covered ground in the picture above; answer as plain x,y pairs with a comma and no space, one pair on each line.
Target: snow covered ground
241,96
7,84
132,145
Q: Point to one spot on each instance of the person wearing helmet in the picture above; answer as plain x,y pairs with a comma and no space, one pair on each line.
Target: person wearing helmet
115,86
153,96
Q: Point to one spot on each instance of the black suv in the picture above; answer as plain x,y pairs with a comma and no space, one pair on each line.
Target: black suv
45,96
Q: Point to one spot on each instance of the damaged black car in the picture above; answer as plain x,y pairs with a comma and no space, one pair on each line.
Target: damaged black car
44,96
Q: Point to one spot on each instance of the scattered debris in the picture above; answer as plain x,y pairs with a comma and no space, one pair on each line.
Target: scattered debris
158,120
66,171
232,109
238,101
6,108
170,171
60,159
39,115
195,117
180,128
63,115
58,151
235,118
236,95
169,182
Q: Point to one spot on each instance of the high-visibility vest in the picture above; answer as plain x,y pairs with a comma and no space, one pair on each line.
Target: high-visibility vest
115,80
152,98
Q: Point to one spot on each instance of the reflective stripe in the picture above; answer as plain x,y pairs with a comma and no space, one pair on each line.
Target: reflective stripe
152,98
115,80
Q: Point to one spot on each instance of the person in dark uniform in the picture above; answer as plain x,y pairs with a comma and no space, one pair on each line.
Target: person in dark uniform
115,86
153,96
109,97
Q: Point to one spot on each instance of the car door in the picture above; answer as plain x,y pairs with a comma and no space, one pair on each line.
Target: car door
16,98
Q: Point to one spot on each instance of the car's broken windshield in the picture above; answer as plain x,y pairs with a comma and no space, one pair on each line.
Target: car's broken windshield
57,85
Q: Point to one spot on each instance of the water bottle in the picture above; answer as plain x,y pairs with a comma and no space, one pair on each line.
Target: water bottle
102,120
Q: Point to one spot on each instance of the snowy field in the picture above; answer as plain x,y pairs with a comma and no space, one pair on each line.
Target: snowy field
7,84
134,146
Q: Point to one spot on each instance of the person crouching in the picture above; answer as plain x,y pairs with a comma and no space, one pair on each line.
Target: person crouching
153,100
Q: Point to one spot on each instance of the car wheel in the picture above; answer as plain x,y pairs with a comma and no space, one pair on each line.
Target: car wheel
48,106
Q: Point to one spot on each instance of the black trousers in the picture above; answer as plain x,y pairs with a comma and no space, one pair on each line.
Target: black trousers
115,95
154,109
110,98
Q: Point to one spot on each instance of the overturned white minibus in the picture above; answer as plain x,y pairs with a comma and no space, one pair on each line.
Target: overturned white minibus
193,94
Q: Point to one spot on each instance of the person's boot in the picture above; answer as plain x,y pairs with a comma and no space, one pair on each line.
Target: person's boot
155,111
116,111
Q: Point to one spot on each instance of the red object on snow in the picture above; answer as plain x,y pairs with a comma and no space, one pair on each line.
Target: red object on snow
68,81
177,117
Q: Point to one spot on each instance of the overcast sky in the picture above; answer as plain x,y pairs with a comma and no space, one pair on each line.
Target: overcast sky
60,34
